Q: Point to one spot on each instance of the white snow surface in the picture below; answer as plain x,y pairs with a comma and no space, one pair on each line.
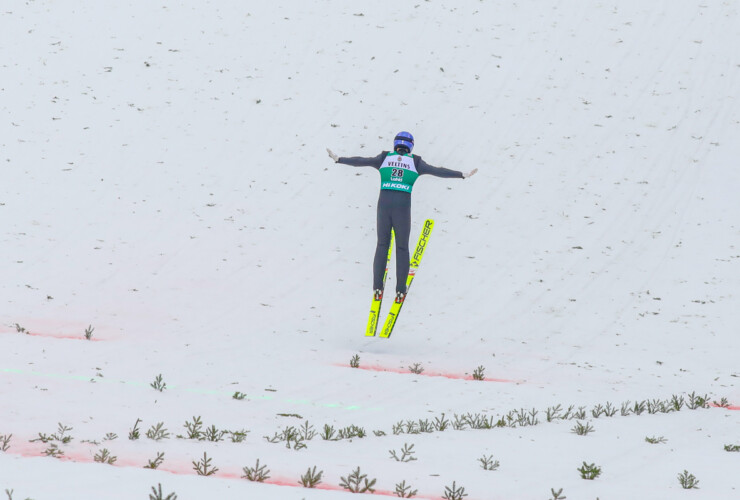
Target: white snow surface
164,180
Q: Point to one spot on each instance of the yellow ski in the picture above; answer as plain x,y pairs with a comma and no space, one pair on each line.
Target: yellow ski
421,245
372,322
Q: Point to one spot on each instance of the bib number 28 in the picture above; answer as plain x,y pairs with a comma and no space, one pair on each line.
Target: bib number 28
397,172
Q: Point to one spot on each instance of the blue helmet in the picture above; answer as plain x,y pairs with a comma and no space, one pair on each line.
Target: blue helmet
403,140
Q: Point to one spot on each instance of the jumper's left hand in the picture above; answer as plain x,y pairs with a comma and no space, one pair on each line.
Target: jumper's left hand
469,174
332,155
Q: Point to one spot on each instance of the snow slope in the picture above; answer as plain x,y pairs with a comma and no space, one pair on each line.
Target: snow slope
164,180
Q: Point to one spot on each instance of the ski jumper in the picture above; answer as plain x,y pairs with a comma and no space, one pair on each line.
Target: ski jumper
398,173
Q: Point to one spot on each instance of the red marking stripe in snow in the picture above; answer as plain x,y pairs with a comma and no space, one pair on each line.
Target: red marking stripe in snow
725,407
62,336
51,335
425,373
177,467
53,328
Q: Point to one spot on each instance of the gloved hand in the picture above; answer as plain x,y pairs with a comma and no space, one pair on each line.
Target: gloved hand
471,173
332,155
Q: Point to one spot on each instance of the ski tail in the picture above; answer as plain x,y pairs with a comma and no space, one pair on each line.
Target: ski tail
414,263
372,322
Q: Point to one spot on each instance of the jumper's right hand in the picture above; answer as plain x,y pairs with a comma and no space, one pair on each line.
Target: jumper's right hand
332,155
469,174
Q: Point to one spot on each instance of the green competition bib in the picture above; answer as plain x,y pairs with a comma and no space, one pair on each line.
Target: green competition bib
398,173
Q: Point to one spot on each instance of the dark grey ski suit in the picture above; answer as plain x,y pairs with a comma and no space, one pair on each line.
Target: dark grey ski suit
394,212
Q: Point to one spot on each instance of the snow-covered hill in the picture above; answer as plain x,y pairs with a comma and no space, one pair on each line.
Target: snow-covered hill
164,181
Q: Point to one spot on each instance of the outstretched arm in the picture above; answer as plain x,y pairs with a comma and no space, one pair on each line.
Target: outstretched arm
358,161
425,168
